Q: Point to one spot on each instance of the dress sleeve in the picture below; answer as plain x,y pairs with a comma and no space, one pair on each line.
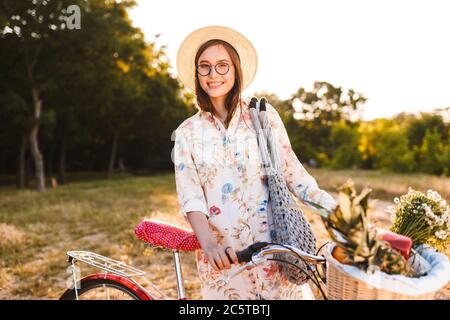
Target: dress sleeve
191,196
298,180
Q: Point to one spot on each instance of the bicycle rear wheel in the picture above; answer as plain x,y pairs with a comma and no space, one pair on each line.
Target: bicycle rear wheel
103,289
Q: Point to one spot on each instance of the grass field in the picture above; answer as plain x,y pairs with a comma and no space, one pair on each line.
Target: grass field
36,229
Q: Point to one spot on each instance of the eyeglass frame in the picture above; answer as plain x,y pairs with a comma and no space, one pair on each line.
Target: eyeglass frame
211,67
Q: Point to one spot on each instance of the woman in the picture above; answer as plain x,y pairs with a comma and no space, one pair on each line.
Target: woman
221,187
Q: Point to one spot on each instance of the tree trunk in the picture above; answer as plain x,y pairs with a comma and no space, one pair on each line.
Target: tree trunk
112,158
34,144
20,176
62,161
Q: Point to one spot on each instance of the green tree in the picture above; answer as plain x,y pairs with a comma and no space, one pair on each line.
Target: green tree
433,154
317,110
29,27
345,140
417,126
393,152
326,104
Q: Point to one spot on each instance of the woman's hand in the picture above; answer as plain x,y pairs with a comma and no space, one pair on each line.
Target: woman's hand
217,255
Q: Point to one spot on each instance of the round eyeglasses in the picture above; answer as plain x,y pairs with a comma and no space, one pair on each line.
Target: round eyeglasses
221,68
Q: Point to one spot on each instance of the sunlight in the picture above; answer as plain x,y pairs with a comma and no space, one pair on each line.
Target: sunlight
400,64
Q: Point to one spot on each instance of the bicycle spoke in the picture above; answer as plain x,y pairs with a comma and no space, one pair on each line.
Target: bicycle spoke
107,292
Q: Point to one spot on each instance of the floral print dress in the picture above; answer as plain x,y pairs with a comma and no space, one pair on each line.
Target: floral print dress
218,172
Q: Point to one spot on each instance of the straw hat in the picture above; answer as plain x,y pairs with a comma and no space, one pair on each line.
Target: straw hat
190,45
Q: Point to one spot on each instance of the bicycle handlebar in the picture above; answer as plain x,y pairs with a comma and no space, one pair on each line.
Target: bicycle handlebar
265,248
255,254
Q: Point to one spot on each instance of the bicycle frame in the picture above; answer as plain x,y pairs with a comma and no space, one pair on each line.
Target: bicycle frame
121,272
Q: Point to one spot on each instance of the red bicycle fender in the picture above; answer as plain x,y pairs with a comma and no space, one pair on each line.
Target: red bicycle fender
125,281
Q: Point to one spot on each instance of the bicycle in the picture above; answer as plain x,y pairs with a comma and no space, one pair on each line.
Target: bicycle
117,279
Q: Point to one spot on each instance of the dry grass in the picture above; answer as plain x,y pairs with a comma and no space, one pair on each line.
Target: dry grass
385,185
100,215
97,215
12,238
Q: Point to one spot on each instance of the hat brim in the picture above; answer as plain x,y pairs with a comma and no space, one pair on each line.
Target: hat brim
190,45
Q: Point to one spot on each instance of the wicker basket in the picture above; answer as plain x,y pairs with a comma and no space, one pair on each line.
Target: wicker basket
341,285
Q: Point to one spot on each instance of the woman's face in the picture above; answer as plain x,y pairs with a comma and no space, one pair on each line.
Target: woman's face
216,85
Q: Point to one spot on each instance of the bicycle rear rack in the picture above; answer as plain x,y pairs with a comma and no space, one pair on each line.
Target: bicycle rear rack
105,263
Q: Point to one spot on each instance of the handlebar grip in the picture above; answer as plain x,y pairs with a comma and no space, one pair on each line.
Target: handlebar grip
245,255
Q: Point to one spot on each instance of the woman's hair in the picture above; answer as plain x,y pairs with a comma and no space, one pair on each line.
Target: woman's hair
234,95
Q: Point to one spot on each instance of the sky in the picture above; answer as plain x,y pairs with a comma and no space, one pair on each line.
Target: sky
396,53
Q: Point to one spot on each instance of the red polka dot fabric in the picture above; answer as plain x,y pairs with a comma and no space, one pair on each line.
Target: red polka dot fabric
165,235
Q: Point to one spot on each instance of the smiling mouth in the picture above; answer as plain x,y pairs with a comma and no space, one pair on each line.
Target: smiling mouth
214,85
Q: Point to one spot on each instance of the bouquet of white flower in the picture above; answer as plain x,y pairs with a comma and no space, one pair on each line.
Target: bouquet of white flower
423,218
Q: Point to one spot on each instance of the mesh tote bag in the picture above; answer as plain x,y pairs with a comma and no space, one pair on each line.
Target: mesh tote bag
289,225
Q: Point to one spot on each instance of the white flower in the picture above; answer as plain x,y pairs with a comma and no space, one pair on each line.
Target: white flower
433,195
430,217
417,206
441,234
393,217
443,205
390,209
429,213
446,217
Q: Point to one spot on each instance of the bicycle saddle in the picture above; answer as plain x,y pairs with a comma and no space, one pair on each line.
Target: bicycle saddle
161,234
